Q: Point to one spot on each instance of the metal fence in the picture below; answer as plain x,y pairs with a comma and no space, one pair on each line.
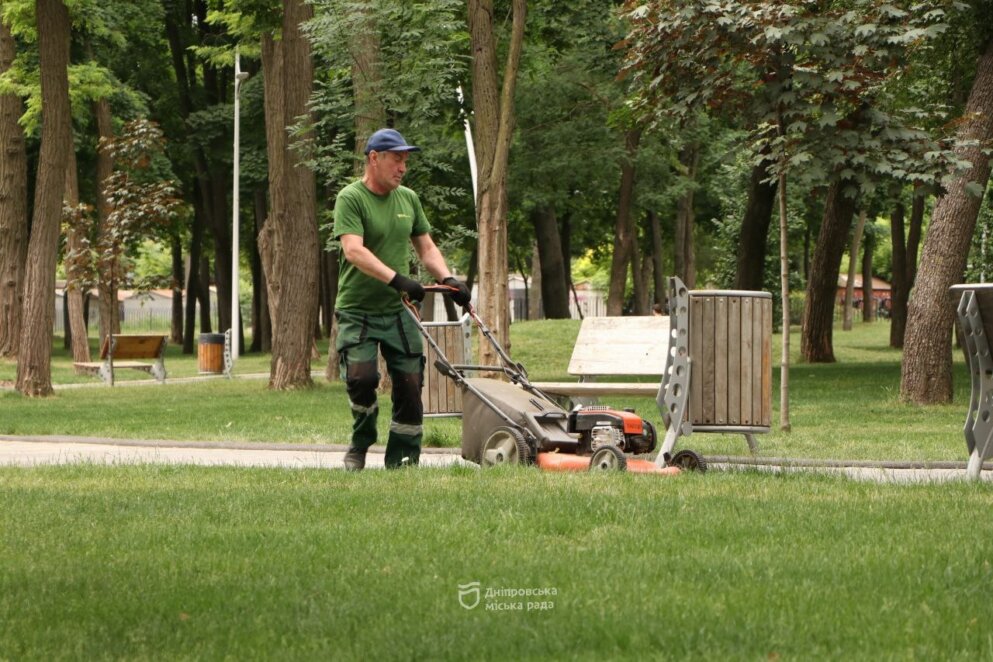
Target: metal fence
133,319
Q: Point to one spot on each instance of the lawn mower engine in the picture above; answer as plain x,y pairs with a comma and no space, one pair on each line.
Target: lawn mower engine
599,426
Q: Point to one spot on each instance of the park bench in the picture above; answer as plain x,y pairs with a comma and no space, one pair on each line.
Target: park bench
615,347
713,354
975,315
131,346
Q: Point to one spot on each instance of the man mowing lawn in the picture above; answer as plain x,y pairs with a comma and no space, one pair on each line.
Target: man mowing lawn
374,218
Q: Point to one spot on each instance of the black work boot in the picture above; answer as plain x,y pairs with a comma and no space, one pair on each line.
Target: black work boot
354,459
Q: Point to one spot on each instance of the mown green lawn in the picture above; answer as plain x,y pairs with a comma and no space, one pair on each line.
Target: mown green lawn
151,562
167,562
846,410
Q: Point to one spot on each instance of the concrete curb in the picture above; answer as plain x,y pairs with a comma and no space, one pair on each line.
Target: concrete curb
805,463
211,445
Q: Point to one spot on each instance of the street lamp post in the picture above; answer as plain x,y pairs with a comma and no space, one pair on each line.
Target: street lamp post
239,77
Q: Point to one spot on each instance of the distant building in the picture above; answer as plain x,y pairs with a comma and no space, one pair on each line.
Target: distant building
881,290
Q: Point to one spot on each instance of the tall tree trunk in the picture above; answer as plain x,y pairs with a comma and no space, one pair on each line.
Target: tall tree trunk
551,281
493,109
370,113
685,265
784,294
868,299
106,270
899,289
288,241
926,375
658,267
750,271
261,321
203,295
326,304
220,230
914,235
900,296
853,255
537,280
178,276
13,207
76,268
193,280
624,232
34,361
565,233
639,289
818,312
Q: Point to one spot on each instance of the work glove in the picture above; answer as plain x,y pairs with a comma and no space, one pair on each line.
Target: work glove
462,295
408,286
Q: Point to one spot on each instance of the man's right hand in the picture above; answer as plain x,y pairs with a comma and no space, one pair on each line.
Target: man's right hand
408,286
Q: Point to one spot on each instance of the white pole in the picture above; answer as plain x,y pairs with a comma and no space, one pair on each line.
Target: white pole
239,76
472,150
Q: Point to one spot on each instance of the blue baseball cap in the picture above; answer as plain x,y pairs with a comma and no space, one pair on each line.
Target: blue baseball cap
388,140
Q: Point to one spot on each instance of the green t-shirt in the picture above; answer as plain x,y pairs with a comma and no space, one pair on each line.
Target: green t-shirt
386,223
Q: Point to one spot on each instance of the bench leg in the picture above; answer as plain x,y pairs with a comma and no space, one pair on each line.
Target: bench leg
228,361
158,371
107,372
674,392
975,465
672,407
753,444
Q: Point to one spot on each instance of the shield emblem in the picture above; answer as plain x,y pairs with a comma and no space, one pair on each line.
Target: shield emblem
469,595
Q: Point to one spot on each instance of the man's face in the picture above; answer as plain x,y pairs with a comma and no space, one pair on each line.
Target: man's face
388,168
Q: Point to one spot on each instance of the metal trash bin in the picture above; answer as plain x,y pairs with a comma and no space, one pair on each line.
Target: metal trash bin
210,354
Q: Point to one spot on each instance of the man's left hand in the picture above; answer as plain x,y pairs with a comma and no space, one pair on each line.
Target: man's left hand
460,294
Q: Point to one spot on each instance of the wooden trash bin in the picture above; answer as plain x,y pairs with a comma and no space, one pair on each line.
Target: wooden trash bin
210,354
730,337
441,396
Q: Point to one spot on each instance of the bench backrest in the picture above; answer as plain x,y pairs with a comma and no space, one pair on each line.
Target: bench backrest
134,346
621,346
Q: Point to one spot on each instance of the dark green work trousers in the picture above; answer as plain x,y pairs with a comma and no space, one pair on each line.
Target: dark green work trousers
360,338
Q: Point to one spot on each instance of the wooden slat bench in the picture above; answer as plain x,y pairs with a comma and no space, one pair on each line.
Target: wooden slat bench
129,346
615,347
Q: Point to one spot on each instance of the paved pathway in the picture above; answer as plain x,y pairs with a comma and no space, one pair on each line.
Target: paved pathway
33,451
42,450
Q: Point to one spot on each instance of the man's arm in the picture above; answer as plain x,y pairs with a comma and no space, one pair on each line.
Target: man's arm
364,260
435,264
430,256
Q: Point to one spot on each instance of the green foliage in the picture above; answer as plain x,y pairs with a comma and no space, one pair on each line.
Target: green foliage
143,201
422,62
818,81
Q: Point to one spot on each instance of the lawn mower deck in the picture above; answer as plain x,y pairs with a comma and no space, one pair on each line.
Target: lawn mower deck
514,422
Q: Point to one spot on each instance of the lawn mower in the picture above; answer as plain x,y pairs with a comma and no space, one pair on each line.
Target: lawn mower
514,422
